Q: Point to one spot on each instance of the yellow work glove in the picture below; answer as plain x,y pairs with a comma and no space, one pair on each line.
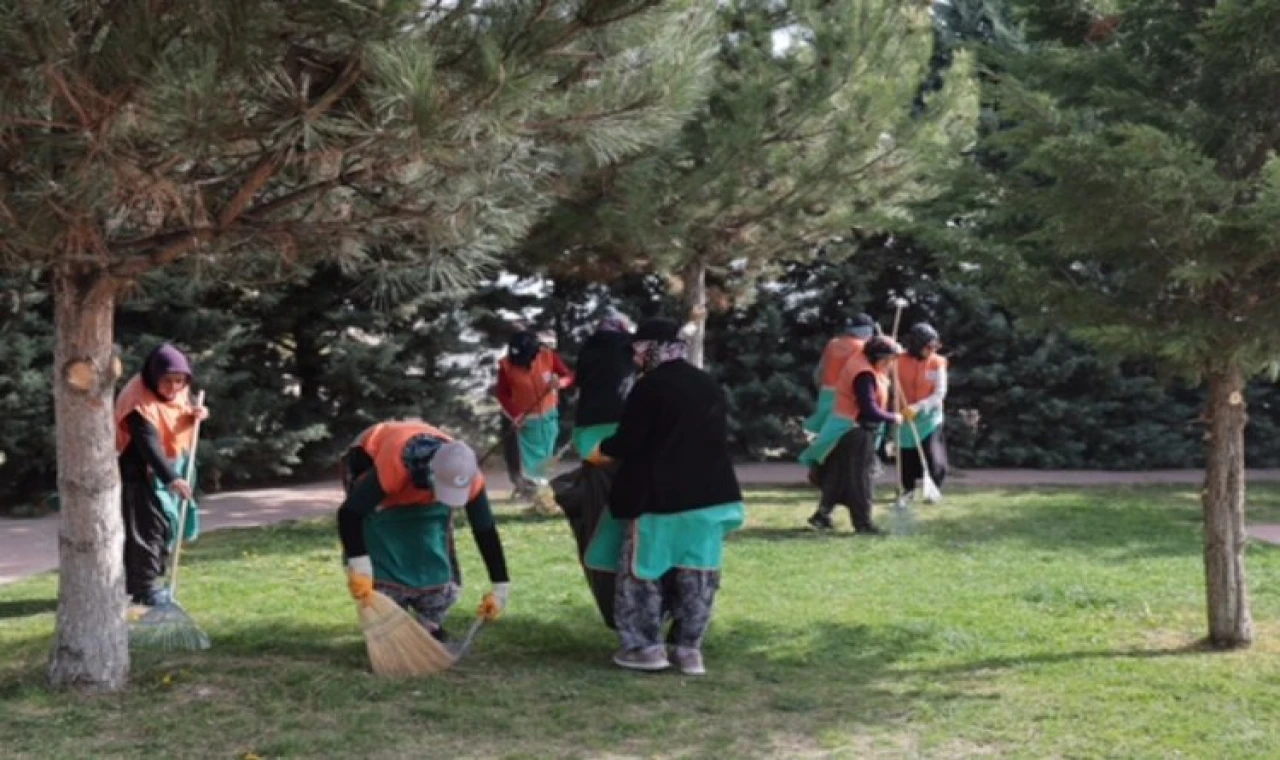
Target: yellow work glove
360,579
596,458
494,602
909,413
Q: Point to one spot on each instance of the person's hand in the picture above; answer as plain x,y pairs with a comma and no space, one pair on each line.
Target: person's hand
182,488
360,579
897,419
201,413
494,602
596,458
910,412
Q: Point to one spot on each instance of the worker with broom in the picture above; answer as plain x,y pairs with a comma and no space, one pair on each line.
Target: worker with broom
857,332
530,377
674,499
403,480
922,379
155,432
843,458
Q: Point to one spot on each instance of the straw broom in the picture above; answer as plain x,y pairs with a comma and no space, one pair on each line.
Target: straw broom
398,644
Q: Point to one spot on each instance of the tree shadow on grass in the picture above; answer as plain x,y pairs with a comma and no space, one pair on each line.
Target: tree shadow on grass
20,608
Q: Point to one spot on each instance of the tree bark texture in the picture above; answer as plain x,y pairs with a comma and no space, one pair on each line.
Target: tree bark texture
1230,619
695,301
91,646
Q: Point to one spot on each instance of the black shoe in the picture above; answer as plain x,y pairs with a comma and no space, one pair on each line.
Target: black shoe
869,530
819,521
440,635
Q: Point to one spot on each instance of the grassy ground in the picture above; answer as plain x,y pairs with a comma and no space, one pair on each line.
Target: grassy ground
1045,624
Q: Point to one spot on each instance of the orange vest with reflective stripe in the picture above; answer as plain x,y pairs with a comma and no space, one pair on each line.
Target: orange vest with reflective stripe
919,377
384,443
531,390
846,402
176,428
834,356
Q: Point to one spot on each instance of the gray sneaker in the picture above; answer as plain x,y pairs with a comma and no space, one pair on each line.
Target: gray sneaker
689,660
646,658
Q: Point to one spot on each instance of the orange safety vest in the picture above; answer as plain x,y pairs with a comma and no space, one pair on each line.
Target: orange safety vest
171,420
846,401
834,356
384,443
919,378
531,391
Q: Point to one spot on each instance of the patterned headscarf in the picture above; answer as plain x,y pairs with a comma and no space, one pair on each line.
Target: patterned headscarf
657,353
615,321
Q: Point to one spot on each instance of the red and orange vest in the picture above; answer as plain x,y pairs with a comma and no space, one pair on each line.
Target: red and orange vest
531,390
172,419
838,351
384,443
846,401
918,377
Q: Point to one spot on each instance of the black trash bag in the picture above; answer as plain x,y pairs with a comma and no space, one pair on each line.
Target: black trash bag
583,494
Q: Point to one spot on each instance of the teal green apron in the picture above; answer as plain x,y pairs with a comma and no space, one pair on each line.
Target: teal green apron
692,540
409,546
586,439
537,438
830,435
821,413
172,504
925,424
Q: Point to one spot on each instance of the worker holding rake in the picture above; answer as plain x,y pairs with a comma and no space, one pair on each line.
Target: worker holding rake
530,378
155,435
922,378
403,480
843,458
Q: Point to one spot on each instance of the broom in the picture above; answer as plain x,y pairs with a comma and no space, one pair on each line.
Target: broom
398,644
167,626
903,520
932,494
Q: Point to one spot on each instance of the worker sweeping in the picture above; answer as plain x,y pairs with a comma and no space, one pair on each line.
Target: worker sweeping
403,480
530,378
155,431
842,458
674,499
922,375
859,330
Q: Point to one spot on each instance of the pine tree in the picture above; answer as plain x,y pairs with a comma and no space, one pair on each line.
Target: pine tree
808,131
413,142
1133,194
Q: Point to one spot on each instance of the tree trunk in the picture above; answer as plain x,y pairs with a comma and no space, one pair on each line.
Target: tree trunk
695,301
91,646
1230,621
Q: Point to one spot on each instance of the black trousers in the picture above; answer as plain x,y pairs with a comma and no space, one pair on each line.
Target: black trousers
935,453
511,451
146,538
847,477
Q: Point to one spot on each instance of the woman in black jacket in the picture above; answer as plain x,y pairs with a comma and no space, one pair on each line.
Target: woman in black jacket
676,497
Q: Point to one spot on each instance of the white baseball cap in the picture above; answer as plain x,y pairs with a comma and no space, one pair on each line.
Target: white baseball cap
453,469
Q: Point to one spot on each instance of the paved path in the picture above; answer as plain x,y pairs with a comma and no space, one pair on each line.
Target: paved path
29,546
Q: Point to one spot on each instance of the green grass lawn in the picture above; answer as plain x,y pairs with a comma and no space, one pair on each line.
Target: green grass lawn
1048,624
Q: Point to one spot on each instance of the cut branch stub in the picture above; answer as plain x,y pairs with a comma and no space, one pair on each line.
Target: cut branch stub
83,376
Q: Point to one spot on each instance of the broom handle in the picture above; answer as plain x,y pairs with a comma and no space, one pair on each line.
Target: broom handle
897,394
182,512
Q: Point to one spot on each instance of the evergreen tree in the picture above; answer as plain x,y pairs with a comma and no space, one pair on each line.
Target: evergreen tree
1135,198
809,130
410,142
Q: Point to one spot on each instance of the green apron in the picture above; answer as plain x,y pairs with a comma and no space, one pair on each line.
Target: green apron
692,540
172,504
586,439
411,545
925,424
821,413
830,435
537,436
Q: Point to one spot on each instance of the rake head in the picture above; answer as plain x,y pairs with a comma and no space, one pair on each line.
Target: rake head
169,628
903,519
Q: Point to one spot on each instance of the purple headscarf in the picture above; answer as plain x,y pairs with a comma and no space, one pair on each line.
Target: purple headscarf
164,360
